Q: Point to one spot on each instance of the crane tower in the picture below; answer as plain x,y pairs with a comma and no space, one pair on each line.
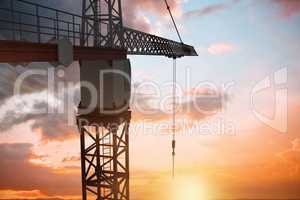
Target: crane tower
105,160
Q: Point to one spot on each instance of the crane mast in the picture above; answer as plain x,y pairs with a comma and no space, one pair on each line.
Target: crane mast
105,160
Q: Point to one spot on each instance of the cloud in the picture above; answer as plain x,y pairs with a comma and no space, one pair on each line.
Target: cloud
205,11
19,173
22,108
288,8
35,101
34,83
135,21
71,159
296,144
33,107
154,7
12,194
220,48
201,104
134,12
9,75
208,10
292,157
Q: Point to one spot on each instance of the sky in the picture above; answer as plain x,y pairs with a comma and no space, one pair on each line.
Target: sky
237,119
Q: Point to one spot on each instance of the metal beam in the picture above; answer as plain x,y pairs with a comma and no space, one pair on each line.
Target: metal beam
17,51
140,43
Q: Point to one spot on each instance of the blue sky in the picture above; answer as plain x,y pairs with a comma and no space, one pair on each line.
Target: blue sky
260,36
262,41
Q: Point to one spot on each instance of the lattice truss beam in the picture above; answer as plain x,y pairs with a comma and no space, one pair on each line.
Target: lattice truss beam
105,162
140,43
102,23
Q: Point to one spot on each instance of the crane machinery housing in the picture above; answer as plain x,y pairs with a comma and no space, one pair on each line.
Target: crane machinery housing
100,42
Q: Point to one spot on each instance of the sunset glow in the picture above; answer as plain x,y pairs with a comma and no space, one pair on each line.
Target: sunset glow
237,108
189,189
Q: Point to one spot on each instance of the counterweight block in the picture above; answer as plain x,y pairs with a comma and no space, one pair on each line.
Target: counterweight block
105,86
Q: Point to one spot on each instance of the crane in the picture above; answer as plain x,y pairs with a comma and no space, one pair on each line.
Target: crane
98,40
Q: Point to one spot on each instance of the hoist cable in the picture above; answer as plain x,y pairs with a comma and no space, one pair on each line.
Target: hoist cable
174,118
173,20
174,93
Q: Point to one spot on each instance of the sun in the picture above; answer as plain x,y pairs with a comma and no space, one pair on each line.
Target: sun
188,188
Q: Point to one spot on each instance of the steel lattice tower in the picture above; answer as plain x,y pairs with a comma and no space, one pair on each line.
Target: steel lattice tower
105,156
104,139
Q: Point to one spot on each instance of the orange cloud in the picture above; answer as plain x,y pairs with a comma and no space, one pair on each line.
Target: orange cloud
31,193
133,10
200,91
296,144
204,102
292,157
25,194
12,194
220,48
19,173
